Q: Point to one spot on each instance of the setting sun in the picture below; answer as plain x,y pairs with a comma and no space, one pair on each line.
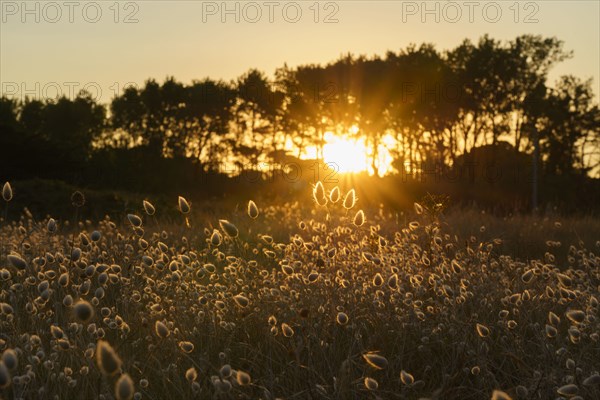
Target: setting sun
344,154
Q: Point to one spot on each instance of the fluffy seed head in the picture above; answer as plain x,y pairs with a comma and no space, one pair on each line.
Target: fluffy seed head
16,261
418,208
134,220
576,316
569,390
319,194
184,206
9,357
191,374
287,330
553,319
186,347
482,330
83,311
161,330
243,378
230,229
334,195
350,199
4,376
342,318
593,380
216,238
51,226
252,210
500,395
148,207
371,383
359,218
241,300
7,193
375,360
405,377
124,388
107,359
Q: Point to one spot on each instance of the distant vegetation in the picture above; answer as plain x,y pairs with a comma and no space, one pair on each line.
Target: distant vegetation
465,109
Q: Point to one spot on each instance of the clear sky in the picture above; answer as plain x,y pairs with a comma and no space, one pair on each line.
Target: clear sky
103,45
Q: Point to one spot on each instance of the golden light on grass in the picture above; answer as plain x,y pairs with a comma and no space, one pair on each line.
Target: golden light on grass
173,293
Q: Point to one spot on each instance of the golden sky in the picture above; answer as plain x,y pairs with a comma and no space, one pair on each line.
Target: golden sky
47,47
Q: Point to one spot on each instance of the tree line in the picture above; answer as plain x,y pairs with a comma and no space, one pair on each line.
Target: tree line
437,106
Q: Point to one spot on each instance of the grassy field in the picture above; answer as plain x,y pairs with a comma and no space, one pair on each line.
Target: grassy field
333,299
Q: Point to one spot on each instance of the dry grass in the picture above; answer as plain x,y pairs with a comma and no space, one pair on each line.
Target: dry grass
299,302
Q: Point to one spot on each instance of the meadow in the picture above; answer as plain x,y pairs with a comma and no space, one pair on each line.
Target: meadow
327,299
